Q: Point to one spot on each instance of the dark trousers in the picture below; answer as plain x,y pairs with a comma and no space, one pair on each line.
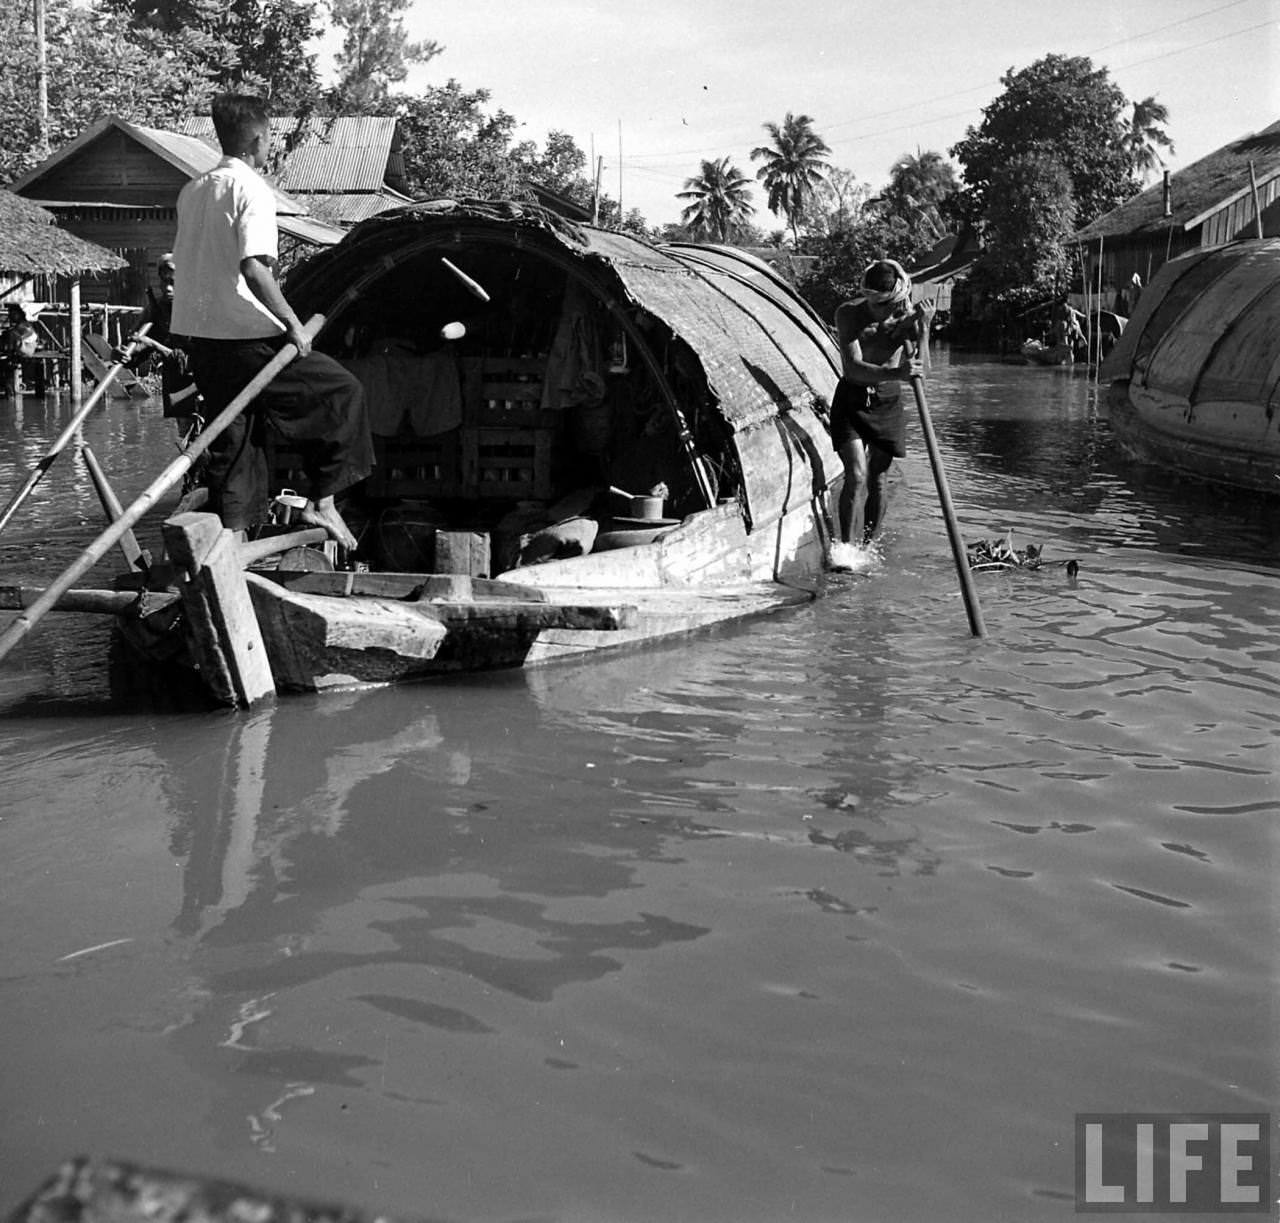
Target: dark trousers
314,406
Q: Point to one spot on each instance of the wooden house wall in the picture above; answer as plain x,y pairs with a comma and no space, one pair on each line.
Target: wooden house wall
1238,219
140,235
112,168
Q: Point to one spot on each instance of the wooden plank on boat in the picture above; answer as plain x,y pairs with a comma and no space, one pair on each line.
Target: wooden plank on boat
463,616
464,552
405,586
228,643
318,641
95,602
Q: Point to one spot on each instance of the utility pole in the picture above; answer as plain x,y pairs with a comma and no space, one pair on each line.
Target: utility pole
619,172
42,81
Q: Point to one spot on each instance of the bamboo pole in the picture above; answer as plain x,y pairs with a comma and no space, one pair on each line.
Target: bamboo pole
71,431
150,495
1257,207
967,589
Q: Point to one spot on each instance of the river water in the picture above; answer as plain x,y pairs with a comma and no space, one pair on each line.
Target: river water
839,915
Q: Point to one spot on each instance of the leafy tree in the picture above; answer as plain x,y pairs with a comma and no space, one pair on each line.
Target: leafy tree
254,45
452,148
719,198
376,52
97,66
1144,136
1062,107
843,256
920,191
1029,218
835,203
793,165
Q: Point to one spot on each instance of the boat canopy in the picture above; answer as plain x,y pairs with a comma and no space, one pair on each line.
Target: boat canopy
761,348
1204,328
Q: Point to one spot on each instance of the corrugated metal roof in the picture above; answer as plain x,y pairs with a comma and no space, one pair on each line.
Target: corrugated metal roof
760,346
308,229
1197,191
351,207
332,154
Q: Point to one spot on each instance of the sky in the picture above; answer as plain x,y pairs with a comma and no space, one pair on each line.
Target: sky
654,88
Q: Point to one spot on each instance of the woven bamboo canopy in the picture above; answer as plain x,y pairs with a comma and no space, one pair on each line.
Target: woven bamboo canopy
31,244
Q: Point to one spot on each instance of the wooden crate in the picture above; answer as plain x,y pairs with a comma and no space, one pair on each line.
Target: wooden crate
417,467
505,392
508,463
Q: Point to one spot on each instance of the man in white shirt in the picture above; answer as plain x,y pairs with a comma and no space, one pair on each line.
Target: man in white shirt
228,302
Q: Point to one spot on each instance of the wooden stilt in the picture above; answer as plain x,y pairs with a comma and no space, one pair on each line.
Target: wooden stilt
77,355
224,630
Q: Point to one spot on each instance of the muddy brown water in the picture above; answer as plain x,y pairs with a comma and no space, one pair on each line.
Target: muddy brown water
840,915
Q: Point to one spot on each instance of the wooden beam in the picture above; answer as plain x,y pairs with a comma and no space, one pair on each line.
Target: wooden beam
225,634
77,355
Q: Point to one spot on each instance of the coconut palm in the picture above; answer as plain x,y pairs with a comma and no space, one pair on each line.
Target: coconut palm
794,164
720,201
1144,136
919,186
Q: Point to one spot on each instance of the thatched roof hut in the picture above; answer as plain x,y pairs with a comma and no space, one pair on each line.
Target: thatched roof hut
32,245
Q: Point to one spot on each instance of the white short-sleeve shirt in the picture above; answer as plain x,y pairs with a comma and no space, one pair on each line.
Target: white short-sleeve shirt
224,216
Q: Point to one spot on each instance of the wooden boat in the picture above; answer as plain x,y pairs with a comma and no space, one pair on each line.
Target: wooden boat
592,362
1042,354
1195,378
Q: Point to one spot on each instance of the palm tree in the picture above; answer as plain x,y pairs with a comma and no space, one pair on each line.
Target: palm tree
793,165
1144,136
919,185
720,200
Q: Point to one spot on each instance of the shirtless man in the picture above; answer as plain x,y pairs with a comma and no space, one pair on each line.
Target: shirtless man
879,333
229,304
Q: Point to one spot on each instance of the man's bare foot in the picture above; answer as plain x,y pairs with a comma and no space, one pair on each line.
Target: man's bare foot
324,513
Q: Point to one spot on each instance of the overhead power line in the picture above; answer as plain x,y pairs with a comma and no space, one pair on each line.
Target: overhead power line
917,105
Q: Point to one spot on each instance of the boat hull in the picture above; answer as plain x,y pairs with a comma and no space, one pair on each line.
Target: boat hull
1229,443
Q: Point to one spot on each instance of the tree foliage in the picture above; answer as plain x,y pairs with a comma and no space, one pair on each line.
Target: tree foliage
97,66
843,256
252,45
835,204
376,52
1062,107
719,198
794,163
1030,216
1144,136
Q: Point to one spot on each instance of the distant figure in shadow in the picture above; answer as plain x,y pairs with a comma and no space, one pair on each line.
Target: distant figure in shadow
879,334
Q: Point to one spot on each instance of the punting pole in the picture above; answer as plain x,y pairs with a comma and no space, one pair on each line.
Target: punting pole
967,588
71,431
150,495
1257,206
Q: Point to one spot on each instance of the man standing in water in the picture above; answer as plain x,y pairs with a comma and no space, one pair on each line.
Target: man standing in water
879,335
227,301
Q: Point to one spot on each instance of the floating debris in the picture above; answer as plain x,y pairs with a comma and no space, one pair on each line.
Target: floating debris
1001,554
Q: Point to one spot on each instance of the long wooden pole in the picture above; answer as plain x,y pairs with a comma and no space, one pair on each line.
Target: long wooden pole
971,606
1257,206
148,497
71,431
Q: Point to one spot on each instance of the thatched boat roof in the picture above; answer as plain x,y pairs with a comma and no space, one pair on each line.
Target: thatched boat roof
762,348
31,244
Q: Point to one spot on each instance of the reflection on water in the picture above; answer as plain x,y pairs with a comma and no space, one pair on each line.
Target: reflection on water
838,915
